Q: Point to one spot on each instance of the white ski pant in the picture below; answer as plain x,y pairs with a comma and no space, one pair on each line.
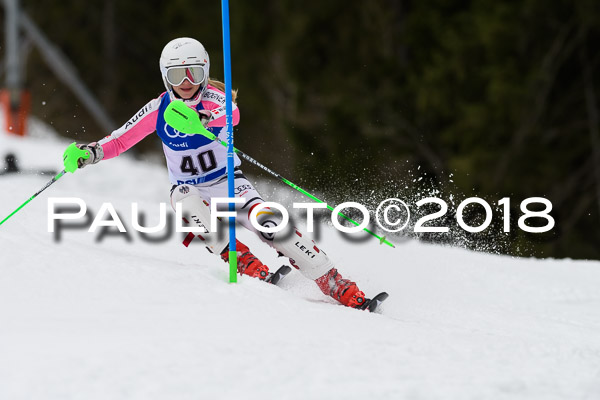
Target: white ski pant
195,203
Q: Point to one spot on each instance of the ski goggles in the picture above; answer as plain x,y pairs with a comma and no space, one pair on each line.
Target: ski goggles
193,73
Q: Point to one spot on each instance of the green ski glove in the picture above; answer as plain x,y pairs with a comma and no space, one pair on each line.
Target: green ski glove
80,155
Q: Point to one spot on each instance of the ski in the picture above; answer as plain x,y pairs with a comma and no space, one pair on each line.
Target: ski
373,304
275,277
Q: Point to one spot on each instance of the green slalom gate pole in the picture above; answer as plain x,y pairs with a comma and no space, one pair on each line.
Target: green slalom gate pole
70,157
186,120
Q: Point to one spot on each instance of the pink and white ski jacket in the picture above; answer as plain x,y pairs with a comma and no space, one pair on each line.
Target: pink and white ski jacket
191,159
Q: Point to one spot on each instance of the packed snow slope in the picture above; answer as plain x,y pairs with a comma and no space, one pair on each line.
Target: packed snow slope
89,317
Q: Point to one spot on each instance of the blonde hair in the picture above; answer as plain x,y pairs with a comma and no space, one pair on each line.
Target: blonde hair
221,86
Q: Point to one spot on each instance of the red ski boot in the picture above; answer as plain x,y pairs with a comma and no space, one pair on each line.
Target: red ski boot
343,290
248,264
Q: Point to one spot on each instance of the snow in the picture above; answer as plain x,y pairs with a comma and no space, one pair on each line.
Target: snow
106,318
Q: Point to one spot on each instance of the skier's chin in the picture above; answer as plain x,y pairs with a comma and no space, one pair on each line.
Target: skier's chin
186,94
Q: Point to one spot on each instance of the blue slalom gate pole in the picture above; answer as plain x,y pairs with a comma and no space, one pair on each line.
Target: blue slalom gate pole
229,119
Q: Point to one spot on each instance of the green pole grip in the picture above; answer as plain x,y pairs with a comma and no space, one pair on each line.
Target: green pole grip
72,155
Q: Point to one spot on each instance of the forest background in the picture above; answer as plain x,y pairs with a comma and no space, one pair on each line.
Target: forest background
363,100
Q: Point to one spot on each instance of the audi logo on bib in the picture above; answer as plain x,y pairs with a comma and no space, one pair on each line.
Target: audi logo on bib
173,133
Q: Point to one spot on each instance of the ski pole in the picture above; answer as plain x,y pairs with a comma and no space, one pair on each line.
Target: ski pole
186,120
70,157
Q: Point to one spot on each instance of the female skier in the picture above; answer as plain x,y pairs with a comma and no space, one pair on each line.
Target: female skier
197,170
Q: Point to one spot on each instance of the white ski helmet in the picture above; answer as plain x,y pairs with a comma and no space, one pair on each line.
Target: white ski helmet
178,56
